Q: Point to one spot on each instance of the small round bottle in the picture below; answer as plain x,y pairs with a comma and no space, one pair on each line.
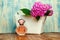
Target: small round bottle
21,29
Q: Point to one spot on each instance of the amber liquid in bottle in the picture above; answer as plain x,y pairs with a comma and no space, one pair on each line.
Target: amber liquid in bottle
21,29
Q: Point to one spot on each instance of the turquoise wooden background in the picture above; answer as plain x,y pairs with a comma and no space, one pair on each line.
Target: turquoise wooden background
8,8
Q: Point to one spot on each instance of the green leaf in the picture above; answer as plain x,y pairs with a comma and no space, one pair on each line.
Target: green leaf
38,17
25,11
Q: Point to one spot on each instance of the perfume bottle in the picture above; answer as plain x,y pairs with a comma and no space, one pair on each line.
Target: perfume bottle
21,29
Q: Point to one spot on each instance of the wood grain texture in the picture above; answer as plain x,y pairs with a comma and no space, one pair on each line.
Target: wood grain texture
43,36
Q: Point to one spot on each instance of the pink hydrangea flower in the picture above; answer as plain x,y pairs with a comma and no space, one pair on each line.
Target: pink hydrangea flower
39,9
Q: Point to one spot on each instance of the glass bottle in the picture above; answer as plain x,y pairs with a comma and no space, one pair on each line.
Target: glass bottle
21,29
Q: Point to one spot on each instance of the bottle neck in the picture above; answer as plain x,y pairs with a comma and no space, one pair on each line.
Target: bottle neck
21,24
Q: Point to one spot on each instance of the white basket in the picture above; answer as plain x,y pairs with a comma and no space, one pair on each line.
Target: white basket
32,25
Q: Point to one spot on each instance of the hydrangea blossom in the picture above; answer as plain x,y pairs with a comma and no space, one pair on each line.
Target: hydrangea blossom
39,9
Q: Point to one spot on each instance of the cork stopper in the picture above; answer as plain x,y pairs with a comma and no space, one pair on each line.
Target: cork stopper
21,21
